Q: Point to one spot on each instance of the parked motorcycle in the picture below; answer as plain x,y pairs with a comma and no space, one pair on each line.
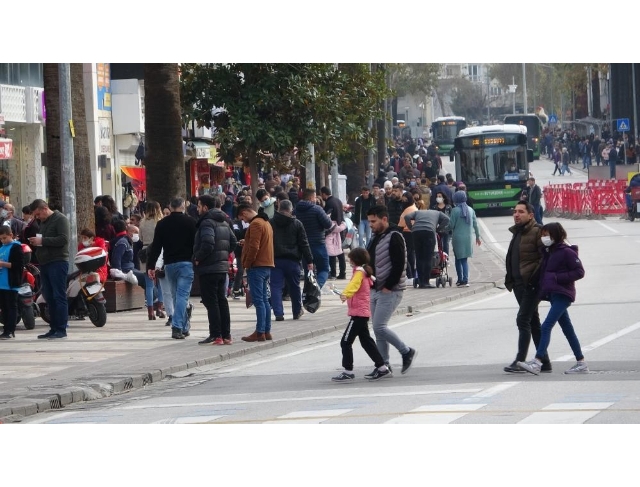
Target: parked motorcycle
84,289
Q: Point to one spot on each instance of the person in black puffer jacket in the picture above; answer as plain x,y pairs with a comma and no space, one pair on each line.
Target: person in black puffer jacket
213,243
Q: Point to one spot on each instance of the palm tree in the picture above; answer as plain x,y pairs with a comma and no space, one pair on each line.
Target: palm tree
166,177
54,164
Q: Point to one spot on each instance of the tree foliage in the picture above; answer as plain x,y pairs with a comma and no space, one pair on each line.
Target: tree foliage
413,78
468,100
272,110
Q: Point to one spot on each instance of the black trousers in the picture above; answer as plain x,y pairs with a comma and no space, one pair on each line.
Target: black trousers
332,265
214,298
9,307
424,243
528,321
411,255
359,327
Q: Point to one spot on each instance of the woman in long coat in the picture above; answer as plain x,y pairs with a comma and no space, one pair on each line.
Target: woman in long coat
463,222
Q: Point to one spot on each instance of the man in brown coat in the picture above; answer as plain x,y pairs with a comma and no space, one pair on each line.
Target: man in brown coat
258,259
523,263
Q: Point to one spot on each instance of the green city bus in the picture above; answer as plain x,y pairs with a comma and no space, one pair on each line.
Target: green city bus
493,162
534,129
444,130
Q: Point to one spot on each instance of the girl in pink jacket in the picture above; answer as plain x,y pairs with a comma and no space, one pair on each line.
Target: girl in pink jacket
357,296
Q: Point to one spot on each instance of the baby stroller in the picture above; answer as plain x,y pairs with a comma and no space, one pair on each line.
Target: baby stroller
440,267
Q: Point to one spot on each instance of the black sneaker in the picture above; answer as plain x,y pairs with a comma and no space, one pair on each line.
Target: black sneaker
407,359
279,318
379,374
46,335
189,310
299,315
7,336
207,341
169,321
344,377
514,368
368,376
58,335
342,277
546,367
177,333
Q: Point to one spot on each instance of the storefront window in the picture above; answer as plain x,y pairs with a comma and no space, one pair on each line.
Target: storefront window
21,74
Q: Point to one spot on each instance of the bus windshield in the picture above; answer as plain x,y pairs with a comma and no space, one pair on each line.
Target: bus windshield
493,164
444,132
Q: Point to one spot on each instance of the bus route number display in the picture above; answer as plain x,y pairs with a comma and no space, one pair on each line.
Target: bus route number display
477,142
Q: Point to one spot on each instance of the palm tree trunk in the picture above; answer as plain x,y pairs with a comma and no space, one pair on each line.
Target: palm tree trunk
166,178
54,161
85,217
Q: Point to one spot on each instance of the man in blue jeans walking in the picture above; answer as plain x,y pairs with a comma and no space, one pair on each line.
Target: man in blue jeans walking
315,222
257,258
52,251
175,236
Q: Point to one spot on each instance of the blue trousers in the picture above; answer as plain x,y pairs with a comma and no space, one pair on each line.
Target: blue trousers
287,272
54,290
258,280
180,276
558,314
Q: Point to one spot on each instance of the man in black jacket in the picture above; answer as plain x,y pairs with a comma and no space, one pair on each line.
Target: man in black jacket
213,243
333,208
175,235
534,194
395,206
359,218
290,245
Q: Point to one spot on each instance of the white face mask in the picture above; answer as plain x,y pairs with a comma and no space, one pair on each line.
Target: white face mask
546,240
4,213
439,200
135,237
86,243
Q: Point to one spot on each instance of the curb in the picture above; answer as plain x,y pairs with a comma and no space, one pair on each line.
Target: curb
16,410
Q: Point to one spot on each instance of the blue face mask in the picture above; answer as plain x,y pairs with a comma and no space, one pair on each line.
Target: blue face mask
265,203
412,184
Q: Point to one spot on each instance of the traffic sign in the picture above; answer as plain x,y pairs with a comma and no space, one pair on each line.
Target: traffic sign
553,119
623,125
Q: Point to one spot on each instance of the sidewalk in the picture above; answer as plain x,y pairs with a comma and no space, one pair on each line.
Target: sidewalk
131,352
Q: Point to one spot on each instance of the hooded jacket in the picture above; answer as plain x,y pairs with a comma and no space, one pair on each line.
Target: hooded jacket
561,268
213,243
290,239
314,220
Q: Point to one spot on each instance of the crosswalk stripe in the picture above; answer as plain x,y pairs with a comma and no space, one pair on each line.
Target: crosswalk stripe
189,419
309,417
436,414
566,413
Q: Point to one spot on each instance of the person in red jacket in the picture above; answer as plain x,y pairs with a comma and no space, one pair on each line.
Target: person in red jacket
357,295
88,238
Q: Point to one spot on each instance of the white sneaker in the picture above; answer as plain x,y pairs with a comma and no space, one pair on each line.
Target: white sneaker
130,277
532,366
578,368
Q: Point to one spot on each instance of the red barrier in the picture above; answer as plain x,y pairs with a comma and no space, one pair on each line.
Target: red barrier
592,199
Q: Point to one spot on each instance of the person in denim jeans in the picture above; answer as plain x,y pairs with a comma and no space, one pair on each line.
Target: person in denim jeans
316,223
561,268
174,235
258,259
52,250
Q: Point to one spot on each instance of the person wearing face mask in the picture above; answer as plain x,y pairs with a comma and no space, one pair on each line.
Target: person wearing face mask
560,269
523,266
267,203
442,204
88,238
121,259
8,218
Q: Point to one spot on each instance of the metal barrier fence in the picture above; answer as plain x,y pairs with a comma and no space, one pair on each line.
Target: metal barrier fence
592,200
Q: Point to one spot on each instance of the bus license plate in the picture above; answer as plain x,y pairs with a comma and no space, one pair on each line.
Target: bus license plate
494,205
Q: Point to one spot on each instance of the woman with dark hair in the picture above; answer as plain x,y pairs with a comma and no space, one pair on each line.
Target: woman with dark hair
110,204
443,204
104,228
152,215
560,269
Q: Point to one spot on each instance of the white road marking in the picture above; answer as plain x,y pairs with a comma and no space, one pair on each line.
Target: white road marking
601,342
189,419
308,417
436,414
299,399
473,303
489,236
52,417
566,413
492,391
607,227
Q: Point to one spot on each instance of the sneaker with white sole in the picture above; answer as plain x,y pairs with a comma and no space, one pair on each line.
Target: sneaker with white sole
407,360
578,368
532,366
368,376
379,374
344,377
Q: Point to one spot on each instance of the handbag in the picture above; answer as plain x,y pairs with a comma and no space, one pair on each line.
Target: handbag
311,294
160,273
142,254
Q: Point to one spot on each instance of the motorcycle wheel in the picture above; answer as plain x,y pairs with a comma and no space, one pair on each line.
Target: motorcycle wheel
97,313
44,313
28,318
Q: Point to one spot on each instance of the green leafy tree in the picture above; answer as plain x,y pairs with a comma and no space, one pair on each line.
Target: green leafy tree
413,78
468,100
264,112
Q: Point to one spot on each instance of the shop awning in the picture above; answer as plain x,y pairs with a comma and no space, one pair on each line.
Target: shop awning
138,175
197,149
6,148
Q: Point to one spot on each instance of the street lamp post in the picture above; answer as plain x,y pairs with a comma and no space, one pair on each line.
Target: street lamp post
512,89
524,89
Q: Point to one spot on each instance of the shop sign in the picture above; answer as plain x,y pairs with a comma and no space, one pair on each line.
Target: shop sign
199,150
6,148
105,136
103,72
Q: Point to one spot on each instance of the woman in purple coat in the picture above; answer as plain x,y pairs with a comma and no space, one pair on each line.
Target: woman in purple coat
560,269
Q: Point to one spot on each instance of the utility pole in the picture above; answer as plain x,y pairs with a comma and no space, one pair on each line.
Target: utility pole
372,173
635,104
382,141
310,167
67,132
524,89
